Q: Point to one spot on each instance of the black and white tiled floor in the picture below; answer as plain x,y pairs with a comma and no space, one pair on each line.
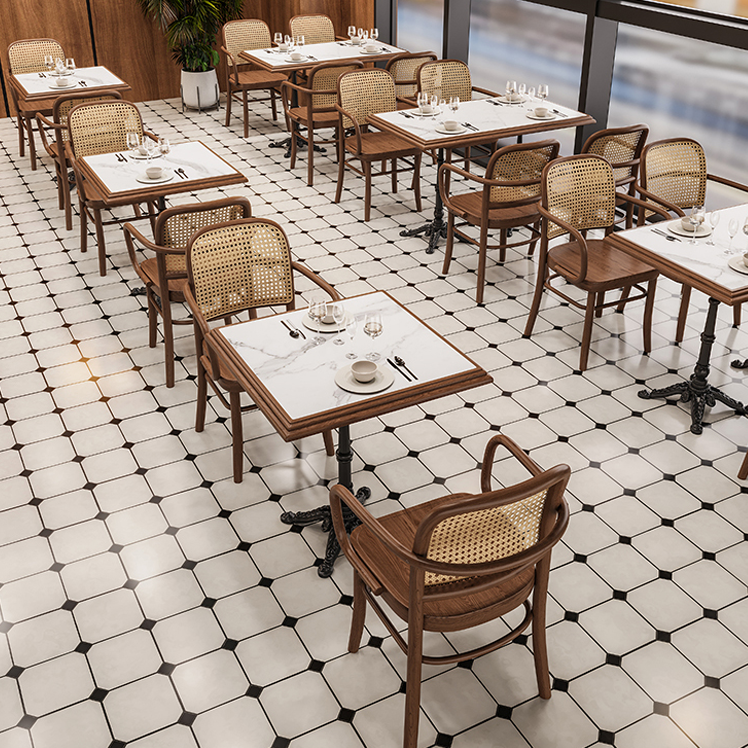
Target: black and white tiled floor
146,600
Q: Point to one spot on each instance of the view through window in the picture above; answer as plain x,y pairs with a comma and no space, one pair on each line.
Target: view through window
420,24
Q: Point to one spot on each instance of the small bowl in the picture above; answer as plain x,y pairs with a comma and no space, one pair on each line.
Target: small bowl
371,48
541,111
687,225
745,259
451,124
427,109
297,56
154,172
63,81
355,40
284,47
364,371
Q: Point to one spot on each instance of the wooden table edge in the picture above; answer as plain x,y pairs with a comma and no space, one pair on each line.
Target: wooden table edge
53,93
292,67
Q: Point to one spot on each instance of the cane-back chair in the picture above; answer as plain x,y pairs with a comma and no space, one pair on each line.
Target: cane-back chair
578,193
234,267
404,69
94,128
316,29
506,198
315,109
674,176
236,36
162,267
27,56
56,148
362,93
456,562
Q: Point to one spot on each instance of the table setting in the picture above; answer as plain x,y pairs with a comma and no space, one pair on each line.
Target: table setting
67,77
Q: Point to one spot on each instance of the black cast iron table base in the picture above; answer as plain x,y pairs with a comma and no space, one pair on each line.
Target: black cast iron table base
697,389
436,228
300,144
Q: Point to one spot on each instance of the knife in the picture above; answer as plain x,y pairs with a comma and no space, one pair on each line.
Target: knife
560,114
397,368
470,127
669,237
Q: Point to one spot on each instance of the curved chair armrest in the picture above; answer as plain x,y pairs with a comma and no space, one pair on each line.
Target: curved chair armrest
721,180
202,329
642,204
130,230
43,122
232,69
342,112
151,135
406,99
132,233
323,284
478,89
576,236
652,198
490,453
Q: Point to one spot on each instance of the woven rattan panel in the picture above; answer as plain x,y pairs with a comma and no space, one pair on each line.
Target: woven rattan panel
580,191
249,34
405,70
28,56
64,107
240,267
314,29
617,149
326,80
520,166
676,172
485,536
366,92
103,127
446,78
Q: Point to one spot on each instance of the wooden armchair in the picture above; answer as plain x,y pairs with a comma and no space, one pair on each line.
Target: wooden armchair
507,197
360,94
27,56
165,272
234,267
674,176
579,194
57,148
236,36
315,110
316,29
456,562
404,69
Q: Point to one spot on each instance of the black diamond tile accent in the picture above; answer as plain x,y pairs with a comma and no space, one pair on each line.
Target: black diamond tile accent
660,708
629,492
57,566
45,533
83,647
69,605
155,499
98,694
14,672
265,582
116,548
606,737
280,742
316,666
171,531
708,556
429,417
393,496
521,639
243,546
619,595
588,508
187,718
224,513
189,564
276,497
35,502
117,744
209,483
412,453
130,584
369,468
662,636
440,481
345,600
402,687
611,659
89,486
230,644
254,691
101,516
668,476
25,473
708,613
27,722
570,615
504,712
140,471
443,740
667,522
711,682
5,627
208,602
389,429
706,505
255,469
296,529
665,574
375,641
624,539
147,624
346,715
580,558
466,664
289,621
166,668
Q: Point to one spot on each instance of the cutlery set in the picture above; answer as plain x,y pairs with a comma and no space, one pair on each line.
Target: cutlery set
292,331
399,365
121,158
669,237
181,173
470,127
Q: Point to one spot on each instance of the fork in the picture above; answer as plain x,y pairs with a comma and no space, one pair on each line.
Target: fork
41,75
182,172
560,114
83,83
470,127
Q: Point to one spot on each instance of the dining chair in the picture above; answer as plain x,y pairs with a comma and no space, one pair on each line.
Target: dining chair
674,176
505,198
316,29
456,562
404,69
578,193
94,128
236,36
27,56
315,109
234,267
57,148
360,94
162,266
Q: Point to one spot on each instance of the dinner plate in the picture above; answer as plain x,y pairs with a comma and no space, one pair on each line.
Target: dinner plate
736,263
378,52
417,113
550,115
505,100
141,157
303,59
382,380
313,324
72,84
444,130
677,228
165,178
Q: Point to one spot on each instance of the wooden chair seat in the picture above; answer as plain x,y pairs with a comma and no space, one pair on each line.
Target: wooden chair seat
382,145
320,119
468,206
149,268
254,80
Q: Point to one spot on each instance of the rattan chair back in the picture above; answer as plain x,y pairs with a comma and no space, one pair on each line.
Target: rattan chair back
366,92
579,190
404,69
27,55
446,78
65,104
102,126
239,265
324,77
316,29
622,146
675,170
249,33
522,163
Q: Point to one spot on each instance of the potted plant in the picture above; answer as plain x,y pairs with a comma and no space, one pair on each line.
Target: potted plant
190,28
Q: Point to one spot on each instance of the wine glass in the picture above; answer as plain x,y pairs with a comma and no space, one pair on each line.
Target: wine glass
713,218
373,328
351,326
150,149
288,40
745,226
543,91
59,66
164,146
338,314
434,103
695,219
454,103
732,230
361,34
351,33
133,141
511,89
49,62
522,90
70,65
531,92
278,38
365,36
374,34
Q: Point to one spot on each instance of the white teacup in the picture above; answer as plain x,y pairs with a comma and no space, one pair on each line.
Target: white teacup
541,111
297,56
63,81
283,47
328,319
371,48
745,259
688,226
364,371
154,172
426,109
451,124
355,40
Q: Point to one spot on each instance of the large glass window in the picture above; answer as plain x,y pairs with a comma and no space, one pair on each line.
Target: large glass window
529,43
729,7
420,25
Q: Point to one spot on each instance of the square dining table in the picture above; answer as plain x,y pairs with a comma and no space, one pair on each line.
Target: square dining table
702,265
483,120
292,380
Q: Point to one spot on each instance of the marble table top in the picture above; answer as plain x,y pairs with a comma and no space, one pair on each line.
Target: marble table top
272,59
34,86
299,374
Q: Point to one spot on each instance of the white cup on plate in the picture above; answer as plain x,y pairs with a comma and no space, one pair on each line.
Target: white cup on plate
364,371
355,40
63,81
541,111
154,172
283,47
296,56
371,48
451,124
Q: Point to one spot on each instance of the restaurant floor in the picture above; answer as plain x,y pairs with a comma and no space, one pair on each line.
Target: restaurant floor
146,600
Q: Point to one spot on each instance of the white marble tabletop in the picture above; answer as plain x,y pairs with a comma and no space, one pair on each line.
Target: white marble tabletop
85,79
300,374
196,159
702,258
316,53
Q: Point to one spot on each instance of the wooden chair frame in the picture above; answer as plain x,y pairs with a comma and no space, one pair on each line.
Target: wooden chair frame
408,64
316,28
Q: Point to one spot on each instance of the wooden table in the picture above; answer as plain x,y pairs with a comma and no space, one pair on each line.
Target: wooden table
292,379
702,266
484,121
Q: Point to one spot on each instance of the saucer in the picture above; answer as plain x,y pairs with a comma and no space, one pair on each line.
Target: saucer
312,324
304,58
506,100
418,113
140,157
532,115
736,263
444,130
677,228
382,380
169,175
72,84
378,52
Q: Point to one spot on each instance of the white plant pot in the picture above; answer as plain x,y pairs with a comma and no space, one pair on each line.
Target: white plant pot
200,90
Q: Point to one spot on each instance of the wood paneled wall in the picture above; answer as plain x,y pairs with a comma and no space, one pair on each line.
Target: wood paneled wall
114,33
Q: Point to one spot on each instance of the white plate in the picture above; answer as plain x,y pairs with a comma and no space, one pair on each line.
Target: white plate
504,100
418,113
677,228
303,59
444,130
145,180
73,84
382,380
550,115
141,157
312,324
736,263
378,52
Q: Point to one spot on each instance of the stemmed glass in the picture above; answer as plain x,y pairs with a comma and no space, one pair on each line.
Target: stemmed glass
70,65
49,62
278,39
745,226
164,146
732,230
374,34
511,89
434,103
713,218
454,103
373,328
543,91
531,92
351,325
351,33
59,66
522,90
133,141
150,149
338,314
696,219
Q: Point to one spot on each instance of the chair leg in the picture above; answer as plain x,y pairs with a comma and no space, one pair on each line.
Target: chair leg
648,309
539,645
329,446
100,241
202,396
413,679
294,145
482,250
21,137
237,437
84,225
599,305
531,249
450,242
367,188
60,193
535,308
273,106
736,315
228,105
589,315
503,238
416,183
152,318
341,174
168,338
358,616
32,144
624,298
310,154
743,472
685,299
67,201
245,106
394,176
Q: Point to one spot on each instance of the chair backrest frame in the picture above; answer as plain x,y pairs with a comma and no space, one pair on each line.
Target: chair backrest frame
315,28
362,93
623,147
27,55
675,170
102,126
404,69
445,78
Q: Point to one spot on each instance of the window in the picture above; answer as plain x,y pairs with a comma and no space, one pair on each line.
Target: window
729,7
419,25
